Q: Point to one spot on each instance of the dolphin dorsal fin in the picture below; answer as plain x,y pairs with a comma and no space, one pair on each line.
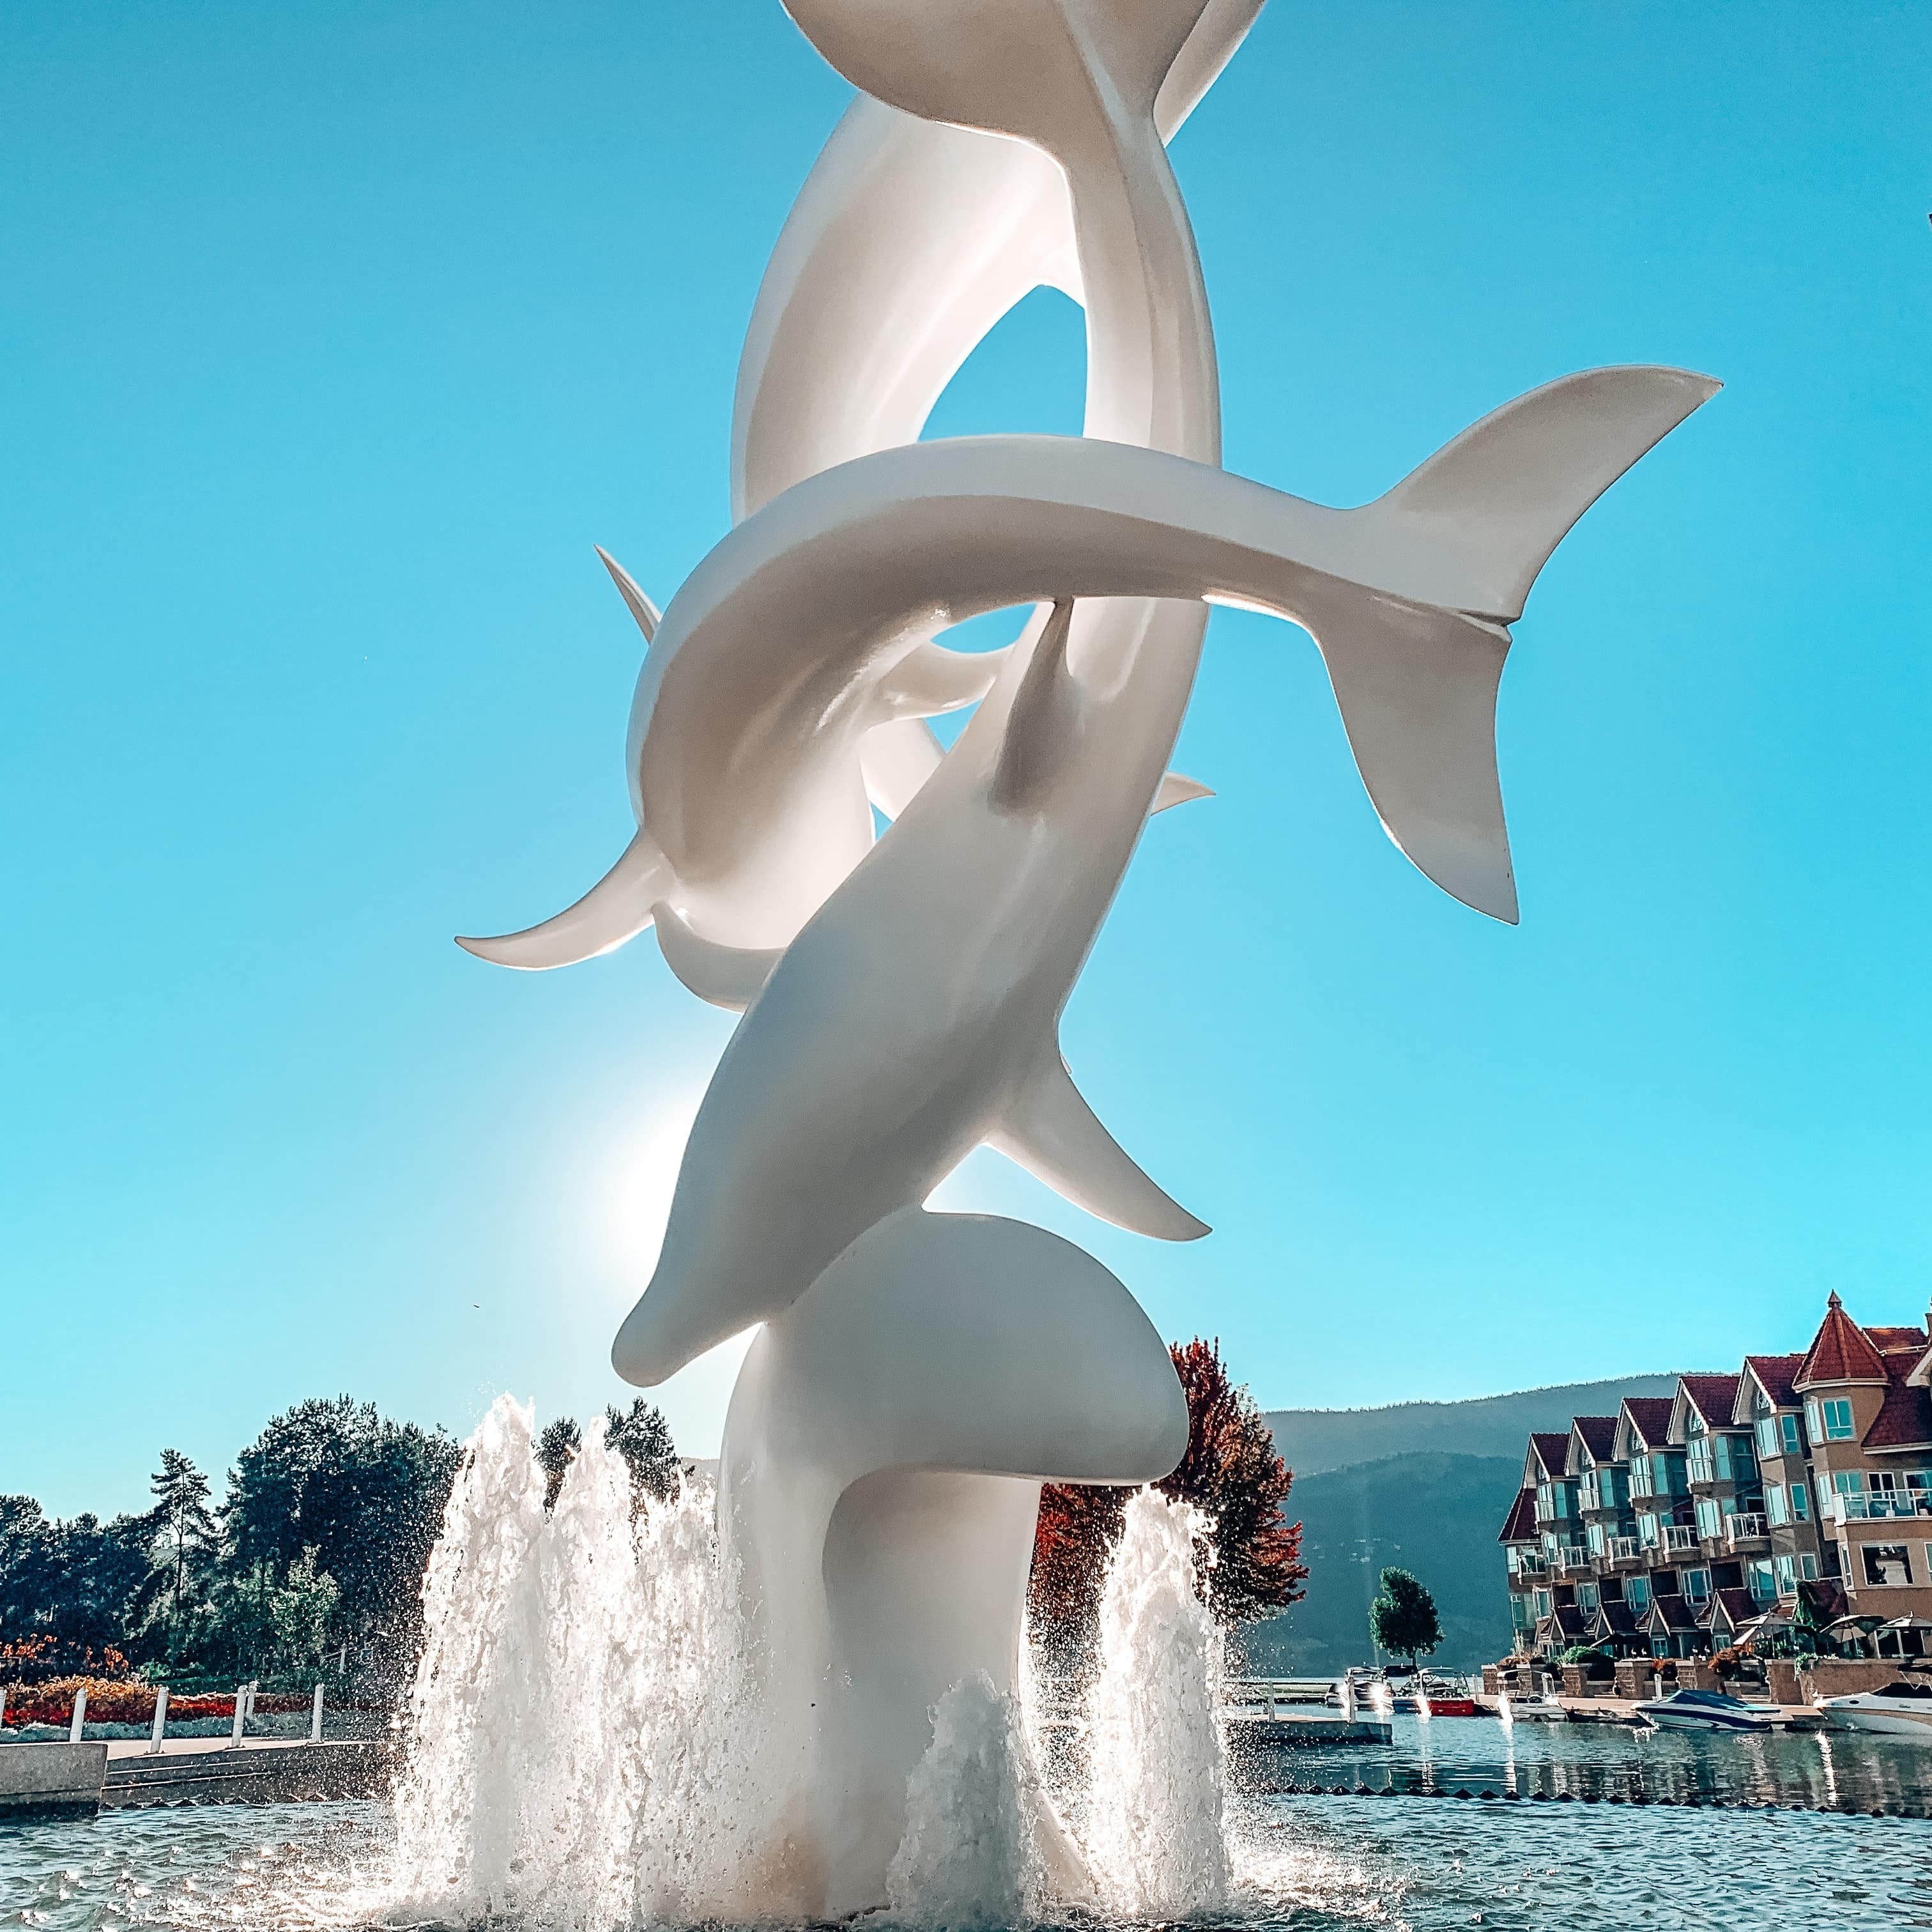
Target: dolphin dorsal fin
647,614
731,976
1177,788
1053,1133
1045,717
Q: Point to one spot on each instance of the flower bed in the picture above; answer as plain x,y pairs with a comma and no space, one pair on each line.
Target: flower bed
116,1701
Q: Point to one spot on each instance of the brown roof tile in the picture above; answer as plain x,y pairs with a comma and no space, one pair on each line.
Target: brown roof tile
1519,1525
1599,1433
1715,1396
1841,1351
1739,1607
1904,1419
1670,1613
1774,1373
1554,1450
1650,1414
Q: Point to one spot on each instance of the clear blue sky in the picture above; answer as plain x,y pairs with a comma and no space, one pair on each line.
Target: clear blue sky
332,337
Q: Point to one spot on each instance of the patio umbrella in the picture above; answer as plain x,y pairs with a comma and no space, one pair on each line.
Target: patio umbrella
1907,1624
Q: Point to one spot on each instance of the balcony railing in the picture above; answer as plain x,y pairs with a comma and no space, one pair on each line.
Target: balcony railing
1677,1538
1742,1528
1527,1565
1573,1556
1873,1505
1625,1549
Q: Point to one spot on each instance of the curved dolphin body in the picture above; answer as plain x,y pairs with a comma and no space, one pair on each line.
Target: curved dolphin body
904,1026
882,1462
909,242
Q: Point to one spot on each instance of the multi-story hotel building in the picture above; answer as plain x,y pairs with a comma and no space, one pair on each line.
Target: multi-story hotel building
1673,1526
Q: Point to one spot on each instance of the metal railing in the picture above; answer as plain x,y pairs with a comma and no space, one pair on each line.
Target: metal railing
1676,1536
1742,1528
1573,1556
1624,1549
1876,1505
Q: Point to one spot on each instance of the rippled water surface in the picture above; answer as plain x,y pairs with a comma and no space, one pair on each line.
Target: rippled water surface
1303,1864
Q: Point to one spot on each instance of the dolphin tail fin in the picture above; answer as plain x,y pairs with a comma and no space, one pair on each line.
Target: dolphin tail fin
1416,682
617,908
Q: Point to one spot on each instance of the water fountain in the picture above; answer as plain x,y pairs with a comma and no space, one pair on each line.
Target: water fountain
823,1715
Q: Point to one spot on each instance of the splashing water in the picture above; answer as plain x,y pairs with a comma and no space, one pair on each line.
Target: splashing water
970,1855
585,1731
1155,1810
581,1751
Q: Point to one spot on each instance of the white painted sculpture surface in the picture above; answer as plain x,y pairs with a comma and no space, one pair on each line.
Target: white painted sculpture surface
919,1375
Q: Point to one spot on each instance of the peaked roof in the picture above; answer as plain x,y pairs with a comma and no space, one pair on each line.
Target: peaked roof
1597,1434
1739,1606
1650,1418
1551,1450
1519,1525
1613,1619
1715,1397
1841,1351
1904,1419
1666,1614
1775,1374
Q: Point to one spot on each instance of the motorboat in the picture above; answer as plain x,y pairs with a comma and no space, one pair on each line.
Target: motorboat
1706,1711
1895,1710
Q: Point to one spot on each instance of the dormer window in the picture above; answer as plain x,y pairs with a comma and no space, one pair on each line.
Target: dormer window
1697,1424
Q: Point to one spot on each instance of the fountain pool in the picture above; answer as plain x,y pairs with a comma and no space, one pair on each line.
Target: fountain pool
1310,1864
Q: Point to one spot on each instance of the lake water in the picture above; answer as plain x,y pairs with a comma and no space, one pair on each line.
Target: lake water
1306,1863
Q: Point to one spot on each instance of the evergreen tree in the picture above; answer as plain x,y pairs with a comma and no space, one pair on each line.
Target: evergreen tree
184,1544
641,1435
557,1445
1402,1618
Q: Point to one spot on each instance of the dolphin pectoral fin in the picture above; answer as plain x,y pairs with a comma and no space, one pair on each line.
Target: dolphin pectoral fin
896,759
641,607
1177,788
617,908
930,680
731,976
1053,1133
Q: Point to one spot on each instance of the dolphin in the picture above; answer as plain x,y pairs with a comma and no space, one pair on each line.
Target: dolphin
904,1025
908,243
879,1476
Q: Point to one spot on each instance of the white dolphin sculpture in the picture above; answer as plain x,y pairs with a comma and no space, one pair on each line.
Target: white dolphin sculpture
882,1544
916,1016
909,242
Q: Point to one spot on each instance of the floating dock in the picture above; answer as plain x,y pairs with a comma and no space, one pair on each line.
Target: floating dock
78,1780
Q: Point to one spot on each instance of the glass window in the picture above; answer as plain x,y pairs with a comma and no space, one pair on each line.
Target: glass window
1646,1532
1817,1428
1774,1503
1697,1426
1586,1597
1763,1583
1837,1421
1707,1524
1787,1577
1801,1502
1767,1435
1886,1563
1807,1567
1794,1441
1696,1585
1636,1594
1594,1537
1640,1476
1542,1507
1848,1482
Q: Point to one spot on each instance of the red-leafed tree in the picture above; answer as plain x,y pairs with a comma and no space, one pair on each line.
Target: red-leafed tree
1230,1473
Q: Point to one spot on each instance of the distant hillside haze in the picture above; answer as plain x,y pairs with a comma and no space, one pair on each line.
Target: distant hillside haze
1433,1515
1423,1486
1312,1441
